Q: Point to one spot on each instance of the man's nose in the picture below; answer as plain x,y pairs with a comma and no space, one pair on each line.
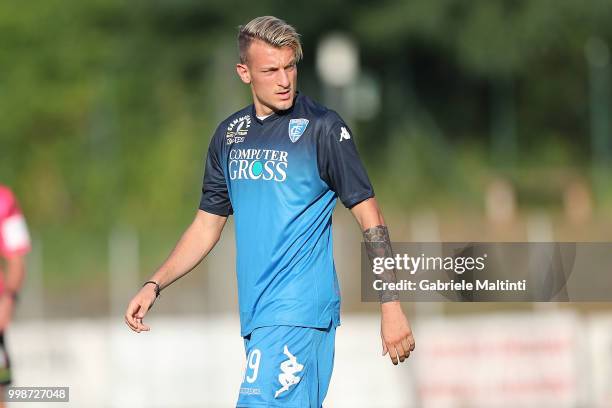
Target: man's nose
283,78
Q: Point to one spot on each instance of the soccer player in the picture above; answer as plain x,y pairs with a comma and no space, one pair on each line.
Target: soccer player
14,244
279,165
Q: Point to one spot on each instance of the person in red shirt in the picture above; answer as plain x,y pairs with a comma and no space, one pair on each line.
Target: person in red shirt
14,245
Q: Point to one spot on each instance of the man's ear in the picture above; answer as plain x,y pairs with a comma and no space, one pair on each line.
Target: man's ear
243,73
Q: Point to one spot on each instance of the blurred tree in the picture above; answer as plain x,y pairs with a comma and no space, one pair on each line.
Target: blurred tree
106,107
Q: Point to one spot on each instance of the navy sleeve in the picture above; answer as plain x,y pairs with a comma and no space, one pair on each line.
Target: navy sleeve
339,163
215,196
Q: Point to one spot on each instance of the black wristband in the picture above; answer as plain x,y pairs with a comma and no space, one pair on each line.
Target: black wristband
157,289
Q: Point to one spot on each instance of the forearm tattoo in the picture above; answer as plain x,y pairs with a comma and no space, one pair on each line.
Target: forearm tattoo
378,245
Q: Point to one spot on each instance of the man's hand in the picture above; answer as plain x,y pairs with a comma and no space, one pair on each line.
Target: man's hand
395,332
138,308
195,243
6,311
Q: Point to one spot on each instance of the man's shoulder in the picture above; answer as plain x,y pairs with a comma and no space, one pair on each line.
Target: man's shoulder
317,111
232,125
311,106
243,115
325,119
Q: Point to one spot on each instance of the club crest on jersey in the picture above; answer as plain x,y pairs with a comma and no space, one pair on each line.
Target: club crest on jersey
238,129
297,127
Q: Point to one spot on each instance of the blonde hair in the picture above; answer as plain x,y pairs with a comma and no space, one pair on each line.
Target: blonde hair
271,30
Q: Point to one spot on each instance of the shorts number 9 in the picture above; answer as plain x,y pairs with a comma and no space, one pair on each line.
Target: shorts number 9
253,364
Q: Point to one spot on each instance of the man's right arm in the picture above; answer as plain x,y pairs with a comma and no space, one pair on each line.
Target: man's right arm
197,241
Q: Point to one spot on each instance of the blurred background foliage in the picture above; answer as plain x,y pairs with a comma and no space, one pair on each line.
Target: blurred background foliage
107,106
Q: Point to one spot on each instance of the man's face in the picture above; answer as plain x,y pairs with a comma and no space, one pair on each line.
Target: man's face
272,74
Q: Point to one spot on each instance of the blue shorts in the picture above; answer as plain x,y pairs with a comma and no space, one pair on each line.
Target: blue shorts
287,366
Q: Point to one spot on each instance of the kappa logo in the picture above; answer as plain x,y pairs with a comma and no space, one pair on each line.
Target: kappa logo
297,127
238,129
344,134
289,368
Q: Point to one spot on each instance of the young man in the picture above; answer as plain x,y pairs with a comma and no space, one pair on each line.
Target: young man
278,165
14,244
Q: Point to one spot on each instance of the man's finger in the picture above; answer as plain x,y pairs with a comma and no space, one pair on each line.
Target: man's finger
129,323
129,316
384,350
143,308
411,342
142,326
406,345
133,319
136,323
400,352
392,354
142,311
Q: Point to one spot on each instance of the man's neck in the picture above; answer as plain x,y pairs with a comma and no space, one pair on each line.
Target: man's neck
261,110
262,117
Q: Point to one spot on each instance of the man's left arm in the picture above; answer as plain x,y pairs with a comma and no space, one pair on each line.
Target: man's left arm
341,168
395,331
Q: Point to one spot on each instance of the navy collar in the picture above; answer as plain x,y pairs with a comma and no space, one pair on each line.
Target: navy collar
276,114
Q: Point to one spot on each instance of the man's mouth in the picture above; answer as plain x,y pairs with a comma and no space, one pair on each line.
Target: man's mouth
284,94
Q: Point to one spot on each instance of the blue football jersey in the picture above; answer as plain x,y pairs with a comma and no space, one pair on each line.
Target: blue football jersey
280,177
